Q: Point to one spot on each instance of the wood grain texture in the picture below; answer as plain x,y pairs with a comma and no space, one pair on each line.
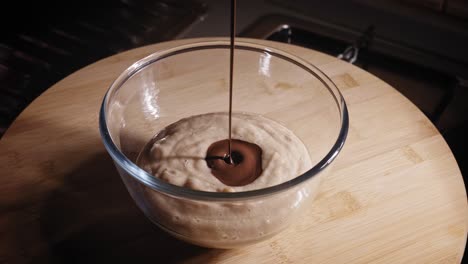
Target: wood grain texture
395,194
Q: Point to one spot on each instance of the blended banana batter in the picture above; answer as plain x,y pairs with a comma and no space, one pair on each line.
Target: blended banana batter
179,155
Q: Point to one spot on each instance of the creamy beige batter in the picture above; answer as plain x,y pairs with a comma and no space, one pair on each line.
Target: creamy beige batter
177,155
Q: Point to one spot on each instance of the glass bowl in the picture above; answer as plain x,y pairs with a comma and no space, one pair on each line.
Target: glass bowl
192,79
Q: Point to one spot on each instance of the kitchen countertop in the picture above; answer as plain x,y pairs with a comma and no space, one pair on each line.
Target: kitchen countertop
416,27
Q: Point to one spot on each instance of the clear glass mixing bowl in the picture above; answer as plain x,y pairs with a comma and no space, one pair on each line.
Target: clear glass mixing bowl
193,79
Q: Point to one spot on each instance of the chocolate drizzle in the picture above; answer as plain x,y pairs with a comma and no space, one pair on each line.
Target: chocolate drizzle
241,168
234,162
231,75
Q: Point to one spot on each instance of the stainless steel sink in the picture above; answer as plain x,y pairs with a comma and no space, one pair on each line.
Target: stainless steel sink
427,79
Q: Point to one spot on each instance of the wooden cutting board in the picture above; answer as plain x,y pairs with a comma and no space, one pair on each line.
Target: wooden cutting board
395,194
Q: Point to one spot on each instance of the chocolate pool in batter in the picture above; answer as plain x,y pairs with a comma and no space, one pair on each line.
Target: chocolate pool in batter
242,167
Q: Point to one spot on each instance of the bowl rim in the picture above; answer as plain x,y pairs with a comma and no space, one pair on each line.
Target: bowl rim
161,186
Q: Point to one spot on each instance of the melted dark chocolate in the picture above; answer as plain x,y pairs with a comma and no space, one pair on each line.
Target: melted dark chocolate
246,163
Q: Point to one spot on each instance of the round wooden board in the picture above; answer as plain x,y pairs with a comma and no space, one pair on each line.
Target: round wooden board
395,194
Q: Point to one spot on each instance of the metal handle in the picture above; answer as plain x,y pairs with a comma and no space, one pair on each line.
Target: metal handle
350,54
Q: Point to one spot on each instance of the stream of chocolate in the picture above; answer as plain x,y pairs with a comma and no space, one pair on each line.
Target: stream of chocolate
231,73
242,163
